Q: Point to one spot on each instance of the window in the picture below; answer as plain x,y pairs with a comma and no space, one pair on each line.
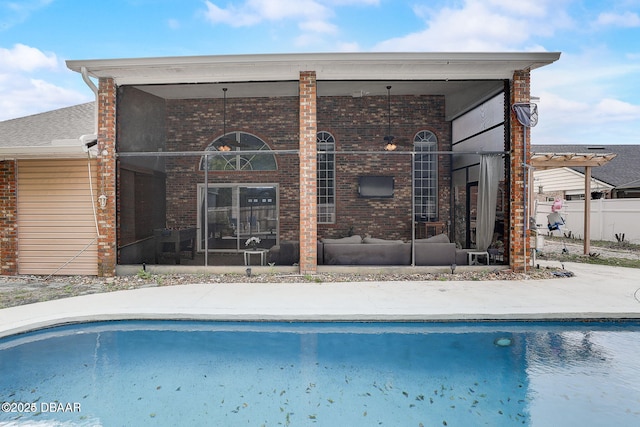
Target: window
326,184
235,159
425,176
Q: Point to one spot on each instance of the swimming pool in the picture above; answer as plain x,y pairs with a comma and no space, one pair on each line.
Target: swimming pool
171,373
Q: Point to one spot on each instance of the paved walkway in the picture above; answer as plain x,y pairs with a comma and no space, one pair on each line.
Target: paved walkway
595,292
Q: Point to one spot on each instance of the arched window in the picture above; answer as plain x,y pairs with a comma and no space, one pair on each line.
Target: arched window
326,185
425,176
233,144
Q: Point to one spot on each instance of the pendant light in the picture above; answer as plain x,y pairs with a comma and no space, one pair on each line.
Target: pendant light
223,141
388,139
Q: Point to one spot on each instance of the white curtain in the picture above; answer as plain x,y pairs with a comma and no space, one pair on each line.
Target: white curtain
487,196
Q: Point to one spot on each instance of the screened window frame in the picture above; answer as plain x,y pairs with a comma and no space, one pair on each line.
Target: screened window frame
235,160
425,196
326,178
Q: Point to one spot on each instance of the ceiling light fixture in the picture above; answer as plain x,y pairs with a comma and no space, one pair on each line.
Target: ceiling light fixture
389,146
223,143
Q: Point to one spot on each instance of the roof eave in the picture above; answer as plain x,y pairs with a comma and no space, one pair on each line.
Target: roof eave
328,66
43,152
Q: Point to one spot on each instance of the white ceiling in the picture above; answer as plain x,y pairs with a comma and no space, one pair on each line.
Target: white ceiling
460,95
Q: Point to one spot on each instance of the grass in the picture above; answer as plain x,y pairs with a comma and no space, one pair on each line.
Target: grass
623,246
618,262
596,260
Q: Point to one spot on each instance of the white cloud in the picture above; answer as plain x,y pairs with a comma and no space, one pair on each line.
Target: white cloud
625,20
25,58
569,120
313,15
319,27
613,110
173,24
26,96
253,12
477,25
23,94
584,98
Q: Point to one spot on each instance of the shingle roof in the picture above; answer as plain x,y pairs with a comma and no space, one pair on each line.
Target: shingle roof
623,169
41,129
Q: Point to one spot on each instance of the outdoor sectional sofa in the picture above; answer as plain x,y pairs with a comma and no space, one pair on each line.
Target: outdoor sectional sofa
354,250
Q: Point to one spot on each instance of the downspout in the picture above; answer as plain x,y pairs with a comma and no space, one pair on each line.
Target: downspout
94,89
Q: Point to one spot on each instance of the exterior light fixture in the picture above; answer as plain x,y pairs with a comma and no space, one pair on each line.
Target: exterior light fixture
389,146
102,201
223,143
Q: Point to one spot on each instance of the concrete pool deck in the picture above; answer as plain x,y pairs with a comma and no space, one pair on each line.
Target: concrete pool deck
595,292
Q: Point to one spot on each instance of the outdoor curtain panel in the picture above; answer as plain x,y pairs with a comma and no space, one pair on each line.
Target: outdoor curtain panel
487,196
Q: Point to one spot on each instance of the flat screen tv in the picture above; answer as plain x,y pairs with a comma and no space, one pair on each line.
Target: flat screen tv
375,186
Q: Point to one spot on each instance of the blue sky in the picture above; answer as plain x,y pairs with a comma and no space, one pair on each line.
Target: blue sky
591,95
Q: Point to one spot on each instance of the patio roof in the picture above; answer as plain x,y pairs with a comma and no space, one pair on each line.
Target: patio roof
328,66
465,79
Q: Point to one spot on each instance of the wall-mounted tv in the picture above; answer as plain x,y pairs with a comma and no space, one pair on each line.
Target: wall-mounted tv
375,186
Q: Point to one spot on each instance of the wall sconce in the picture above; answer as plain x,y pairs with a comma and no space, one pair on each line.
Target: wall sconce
102,201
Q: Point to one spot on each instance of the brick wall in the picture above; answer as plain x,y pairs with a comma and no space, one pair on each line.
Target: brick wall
8,219
106,177
360,124
193,124
519,247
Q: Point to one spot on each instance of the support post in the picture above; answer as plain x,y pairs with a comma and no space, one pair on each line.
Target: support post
587,210
308,174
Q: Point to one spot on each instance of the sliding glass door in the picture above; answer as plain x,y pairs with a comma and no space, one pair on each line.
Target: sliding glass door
230,214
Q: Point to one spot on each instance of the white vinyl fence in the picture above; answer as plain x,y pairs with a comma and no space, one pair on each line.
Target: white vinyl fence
609,217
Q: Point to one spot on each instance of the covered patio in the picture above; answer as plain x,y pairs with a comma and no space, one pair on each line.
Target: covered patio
208,155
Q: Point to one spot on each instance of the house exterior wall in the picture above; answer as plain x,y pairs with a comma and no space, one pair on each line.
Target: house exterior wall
562,182
8,219
193,124
56,227
360,125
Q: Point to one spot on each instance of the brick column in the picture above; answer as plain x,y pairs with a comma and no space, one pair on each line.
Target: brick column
106,177
8,219
519,247
308,174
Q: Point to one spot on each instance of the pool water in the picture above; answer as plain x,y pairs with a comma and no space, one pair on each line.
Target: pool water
166,373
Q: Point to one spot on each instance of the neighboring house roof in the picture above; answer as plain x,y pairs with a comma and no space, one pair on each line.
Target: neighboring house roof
629,185
621,170
49,133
